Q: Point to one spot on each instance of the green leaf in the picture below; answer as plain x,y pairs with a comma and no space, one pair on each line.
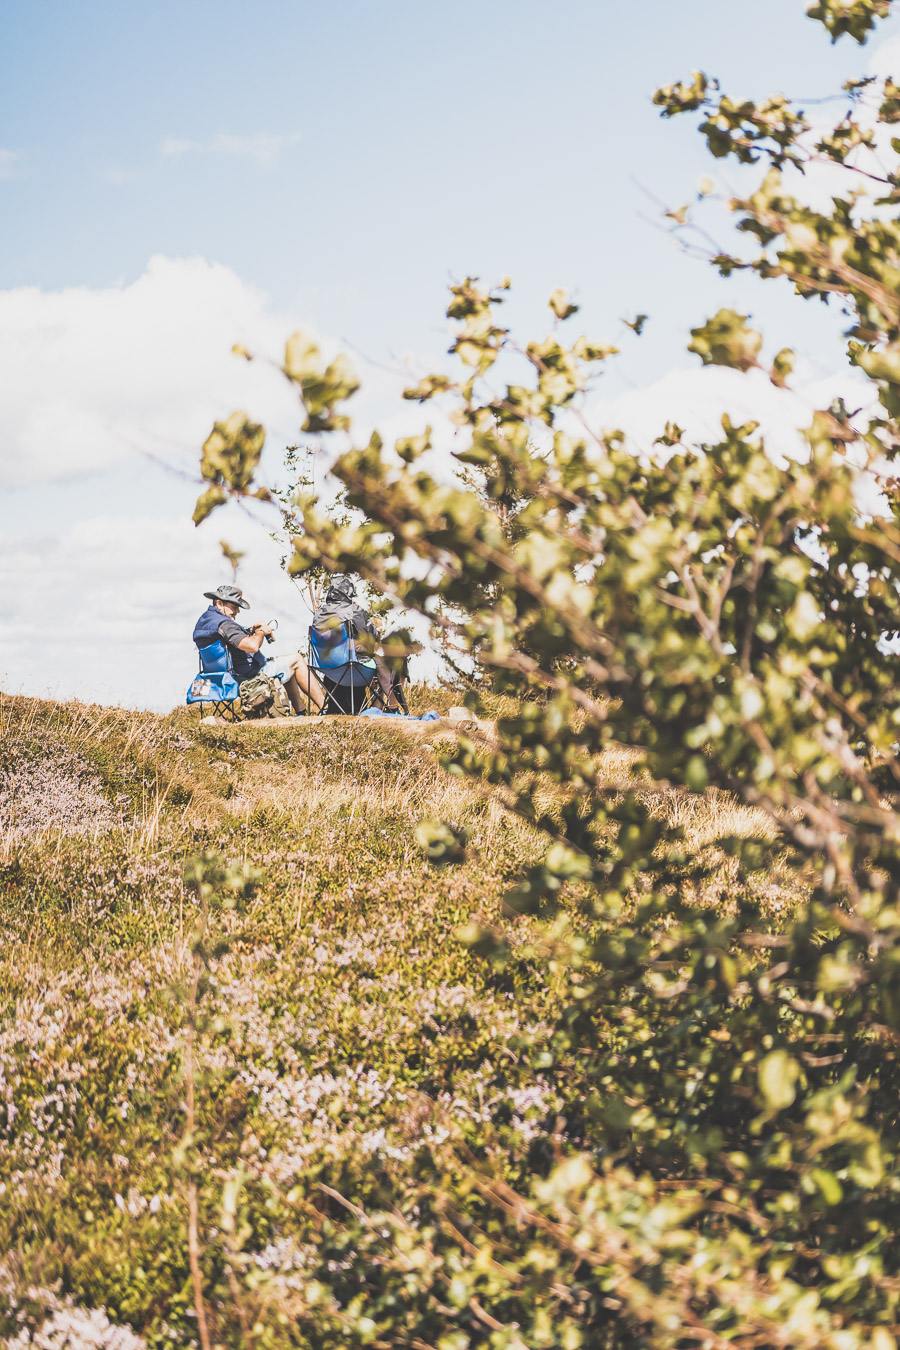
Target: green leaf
829,1186
231,452
442,842
725,340
856,17
561,305
778,1074
782,366
302,358
681,98
207,503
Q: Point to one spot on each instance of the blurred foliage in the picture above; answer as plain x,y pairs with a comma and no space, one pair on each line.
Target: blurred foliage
231,454
721,610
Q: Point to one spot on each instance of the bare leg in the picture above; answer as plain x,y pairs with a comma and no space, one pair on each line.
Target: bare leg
302,682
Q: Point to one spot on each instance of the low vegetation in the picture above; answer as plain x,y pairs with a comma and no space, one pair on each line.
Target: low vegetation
376,1105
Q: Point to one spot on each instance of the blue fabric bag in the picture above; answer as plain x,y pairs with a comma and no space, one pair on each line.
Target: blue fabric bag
400,717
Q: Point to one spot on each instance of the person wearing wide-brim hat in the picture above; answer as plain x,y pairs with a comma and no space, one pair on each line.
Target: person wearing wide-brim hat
219,624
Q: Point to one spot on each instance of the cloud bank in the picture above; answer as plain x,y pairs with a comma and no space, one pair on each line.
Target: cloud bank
93,377
97,384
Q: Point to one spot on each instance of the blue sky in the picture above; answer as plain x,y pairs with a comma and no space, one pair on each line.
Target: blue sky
331,166
428,141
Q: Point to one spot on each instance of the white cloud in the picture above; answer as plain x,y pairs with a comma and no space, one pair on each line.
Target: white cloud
93,377
123,590
124,594
9,163
264,147
884,59
697,399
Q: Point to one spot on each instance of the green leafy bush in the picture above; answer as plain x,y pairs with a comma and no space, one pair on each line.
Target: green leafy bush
727,1173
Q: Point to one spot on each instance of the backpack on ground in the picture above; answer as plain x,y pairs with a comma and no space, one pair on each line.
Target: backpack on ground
263,696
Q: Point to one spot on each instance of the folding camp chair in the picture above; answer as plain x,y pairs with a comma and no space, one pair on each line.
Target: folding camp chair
350,683
215,683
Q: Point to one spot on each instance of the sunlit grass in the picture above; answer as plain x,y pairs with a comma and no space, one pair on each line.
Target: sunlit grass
348,1027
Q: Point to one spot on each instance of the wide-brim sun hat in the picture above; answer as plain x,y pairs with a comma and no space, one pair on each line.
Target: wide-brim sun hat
232,595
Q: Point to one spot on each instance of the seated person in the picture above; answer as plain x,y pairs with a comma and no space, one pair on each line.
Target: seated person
338,607
218,624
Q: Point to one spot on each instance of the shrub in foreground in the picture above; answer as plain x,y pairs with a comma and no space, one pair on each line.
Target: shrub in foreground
720,609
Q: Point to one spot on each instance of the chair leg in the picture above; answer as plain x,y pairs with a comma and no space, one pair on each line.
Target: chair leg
330,699
361,697
226,710
320,676
375,695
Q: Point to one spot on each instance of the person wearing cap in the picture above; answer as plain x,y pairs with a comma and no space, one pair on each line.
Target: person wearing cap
340,606
219,624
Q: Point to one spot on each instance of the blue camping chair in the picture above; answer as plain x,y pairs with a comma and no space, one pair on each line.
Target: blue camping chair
215,682
350,683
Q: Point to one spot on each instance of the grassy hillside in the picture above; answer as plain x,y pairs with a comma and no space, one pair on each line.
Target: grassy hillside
368,1090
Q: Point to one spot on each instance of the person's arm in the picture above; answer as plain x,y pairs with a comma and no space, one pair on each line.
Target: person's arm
258,634
250,642
364,623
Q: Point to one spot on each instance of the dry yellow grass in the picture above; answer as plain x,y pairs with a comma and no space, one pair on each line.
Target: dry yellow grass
409,786
312,772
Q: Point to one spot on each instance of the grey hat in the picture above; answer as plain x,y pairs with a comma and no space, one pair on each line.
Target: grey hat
233,595
341,588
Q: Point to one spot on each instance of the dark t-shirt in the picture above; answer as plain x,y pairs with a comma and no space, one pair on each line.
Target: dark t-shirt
246,664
